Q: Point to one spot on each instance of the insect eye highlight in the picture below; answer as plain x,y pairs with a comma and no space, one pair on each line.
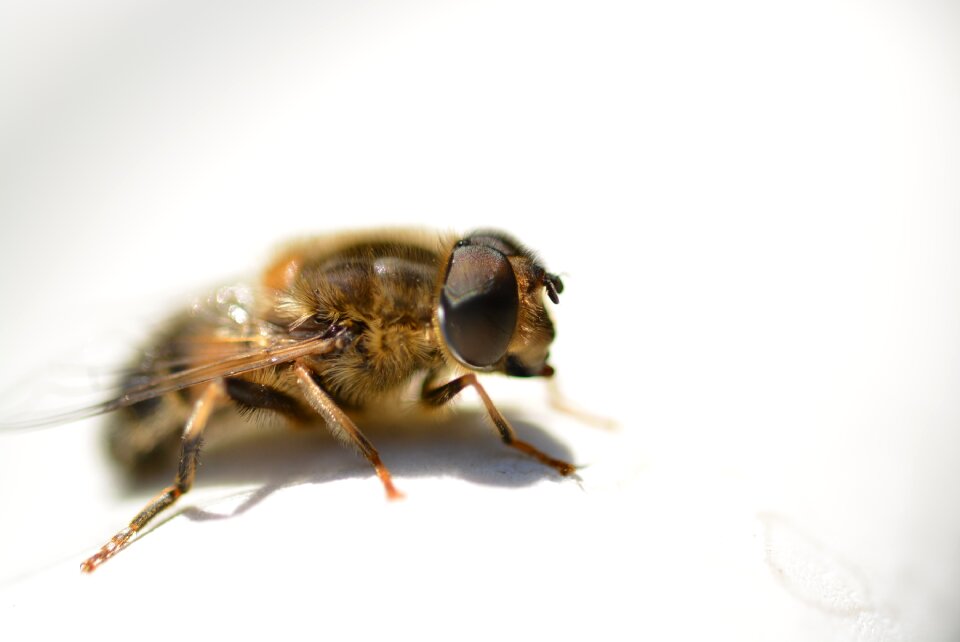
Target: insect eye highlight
479,305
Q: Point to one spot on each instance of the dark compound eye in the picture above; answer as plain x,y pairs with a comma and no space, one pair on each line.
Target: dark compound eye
493,240
479,305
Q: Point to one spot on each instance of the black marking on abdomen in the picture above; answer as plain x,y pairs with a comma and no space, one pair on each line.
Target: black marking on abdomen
147,407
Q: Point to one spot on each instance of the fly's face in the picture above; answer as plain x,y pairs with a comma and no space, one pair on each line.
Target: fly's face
491,313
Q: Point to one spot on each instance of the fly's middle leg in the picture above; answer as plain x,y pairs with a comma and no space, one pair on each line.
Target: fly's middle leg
342,426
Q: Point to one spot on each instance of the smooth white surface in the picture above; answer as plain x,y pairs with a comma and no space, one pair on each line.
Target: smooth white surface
755,209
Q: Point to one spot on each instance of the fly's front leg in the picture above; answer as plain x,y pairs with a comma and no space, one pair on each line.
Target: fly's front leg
444,393
189,452
342,426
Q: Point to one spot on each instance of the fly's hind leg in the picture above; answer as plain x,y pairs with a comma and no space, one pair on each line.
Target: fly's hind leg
444,393
342,426
189,452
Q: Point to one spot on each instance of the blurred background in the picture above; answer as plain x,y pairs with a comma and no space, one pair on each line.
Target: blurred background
755,210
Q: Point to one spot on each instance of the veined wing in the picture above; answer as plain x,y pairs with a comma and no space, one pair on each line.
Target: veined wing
236,363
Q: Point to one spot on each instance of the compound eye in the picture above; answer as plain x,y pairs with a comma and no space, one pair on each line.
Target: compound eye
479,305
493,240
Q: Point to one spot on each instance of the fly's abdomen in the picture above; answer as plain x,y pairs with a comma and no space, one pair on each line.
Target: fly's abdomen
147,434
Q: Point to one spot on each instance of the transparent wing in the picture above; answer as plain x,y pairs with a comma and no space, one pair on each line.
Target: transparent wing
193,373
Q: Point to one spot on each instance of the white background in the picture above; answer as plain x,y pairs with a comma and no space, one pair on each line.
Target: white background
756,211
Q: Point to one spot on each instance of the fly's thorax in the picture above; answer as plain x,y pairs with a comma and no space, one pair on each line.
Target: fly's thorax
376,296
377,278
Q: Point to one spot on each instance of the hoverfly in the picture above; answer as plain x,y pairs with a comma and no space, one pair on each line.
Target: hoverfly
335,326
